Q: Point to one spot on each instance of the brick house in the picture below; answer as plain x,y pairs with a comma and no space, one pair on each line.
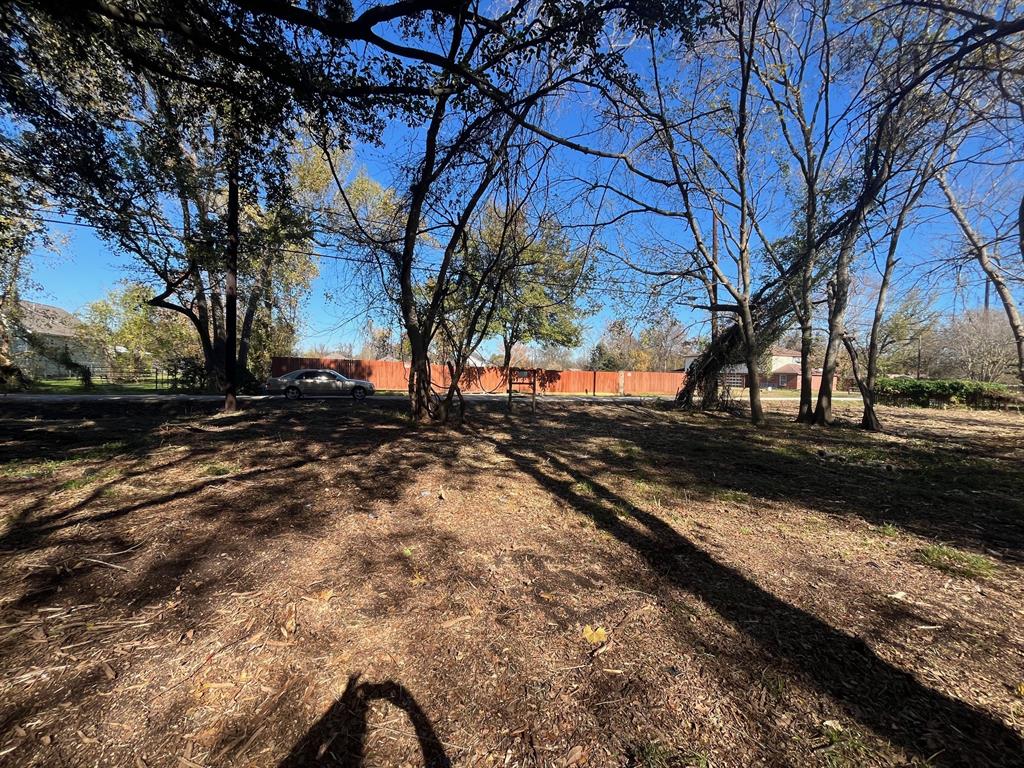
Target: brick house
784,371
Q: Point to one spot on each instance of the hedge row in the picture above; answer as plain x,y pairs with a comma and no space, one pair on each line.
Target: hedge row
926,392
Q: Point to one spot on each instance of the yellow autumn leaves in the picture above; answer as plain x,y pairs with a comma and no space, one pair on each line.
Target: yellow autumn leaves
595,636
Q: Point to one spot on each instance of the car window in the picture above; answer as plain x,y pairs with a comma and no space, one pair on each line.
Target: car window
310,375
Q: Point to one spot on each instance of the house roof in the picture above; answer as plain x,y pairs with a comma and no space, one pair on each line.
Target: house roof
47,320
787,368
785,352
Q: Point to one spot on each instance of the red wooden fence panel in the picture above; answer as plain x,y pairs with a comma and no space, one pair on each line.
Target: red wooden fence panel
394,375
652,382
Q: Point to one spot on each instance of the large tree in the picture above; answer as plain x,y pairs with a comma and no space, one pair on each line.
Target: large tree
344,71
540,302
185,169
21,232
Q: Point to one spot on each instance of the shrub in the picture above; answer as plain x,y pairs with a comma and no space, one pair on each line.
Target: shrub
188,374
13,379
925,392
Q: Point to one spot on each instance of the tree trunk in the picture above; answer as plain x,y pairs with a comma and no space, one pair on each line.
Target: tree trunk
867,387
754,385
751,361
837,320
231,310
421,394
249,318
870,419
806,412
454,391
506,365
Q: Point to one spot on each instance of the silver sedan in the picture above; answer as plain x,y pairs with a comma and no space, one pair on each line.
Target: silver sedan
318,383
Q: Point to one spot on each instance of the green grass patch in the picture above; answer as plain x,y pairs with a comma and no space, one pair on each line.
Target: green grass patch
75,387
26,470
888,530
86,479
729,494
952,560
214,469
105,451
774,684
843,747
582,488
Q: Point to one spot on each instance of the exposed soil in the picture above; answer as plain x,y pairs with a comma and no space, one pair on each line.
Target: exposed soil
598,585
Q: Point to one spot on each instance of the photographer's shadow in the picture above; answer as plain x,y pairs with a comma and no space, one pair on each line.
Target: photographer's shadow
338,739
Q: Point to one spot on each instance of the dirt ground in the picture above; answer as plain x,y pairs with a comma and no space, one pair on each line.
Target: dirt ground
597,585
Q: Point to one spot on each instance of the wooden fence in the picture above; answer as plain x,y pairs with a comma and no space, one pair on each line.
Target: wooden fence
394,374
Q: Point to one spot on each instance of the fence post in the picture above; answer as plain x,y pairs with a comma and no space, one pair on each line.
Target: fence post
622,382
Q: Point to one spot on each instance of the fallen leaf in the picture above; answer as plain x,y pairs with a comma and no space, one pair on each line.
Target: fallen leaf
595,636
290,621
107,670
575,755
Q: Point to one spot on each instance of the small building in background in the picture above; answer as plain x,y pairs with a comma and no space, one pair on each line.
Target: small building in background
46,336
783,371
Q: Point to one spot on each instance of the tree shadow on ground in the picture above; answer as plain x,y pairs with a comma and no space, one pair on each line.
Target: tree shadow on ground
185,543
942,486
338,738
928,724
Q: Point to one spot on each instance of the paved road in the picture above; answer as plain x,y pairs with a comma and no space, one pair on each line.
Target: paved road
158,397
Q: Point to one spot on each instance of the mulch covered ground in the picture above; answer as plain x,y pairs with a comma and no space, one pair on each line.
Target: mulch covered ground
599,585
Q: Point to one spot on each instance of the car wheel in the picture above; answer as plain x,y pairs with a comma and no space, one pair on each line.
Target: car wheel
292,393
359,393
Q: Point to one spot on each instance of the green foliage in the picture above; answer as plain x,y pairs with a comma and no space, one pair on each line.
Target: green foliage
133,334
925,392
660,345
905,330
603,358
540,300
188,373
13,379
